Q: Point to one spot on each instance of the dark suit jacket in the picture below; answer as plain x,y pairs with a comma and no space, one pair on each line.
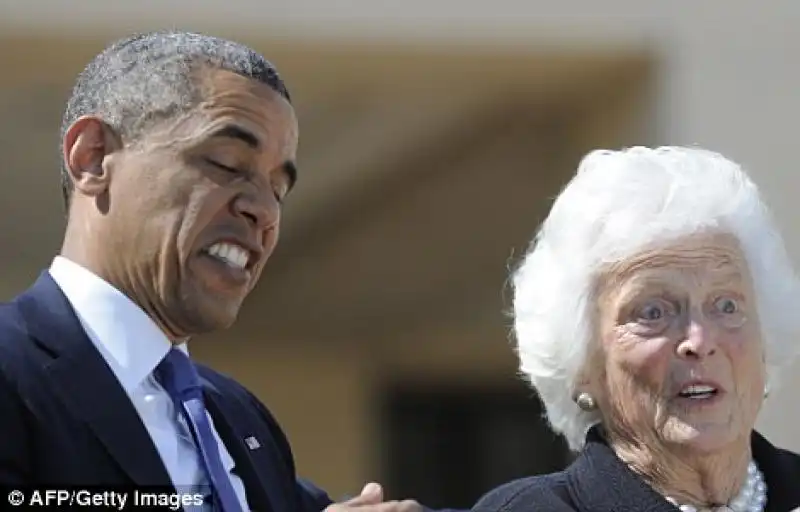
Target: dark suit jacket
597,481
65,420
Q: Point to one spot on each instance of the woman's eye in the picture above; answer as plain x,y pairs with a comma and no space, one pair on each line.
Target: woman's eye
726,305
652,312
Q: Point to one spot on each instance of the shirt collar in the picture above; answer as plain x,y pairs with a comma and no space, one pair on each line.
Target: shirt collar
127,338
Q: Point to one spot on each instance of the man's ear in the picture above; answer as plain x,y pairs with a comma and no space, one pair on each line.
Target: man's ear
86,144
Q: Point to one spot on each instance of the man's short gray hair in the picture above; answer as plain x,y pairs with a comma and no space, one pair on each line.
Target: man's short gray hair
619,203
147,78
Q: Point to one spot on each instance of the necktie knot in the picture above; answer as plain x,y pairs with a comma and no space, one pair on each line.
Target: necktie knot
178,375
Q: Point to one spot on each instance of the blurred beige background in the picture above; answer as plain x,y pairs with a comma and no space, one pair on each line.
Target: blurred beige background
433,136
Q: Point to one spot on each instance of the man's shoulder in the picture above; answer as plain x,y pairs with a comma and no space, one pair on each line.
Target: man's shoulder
243,404
11,321
226,385
542,492
18,315
15,340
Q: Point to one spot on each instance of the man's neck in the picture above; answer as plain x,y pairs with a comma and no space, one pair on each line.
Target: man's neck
77,252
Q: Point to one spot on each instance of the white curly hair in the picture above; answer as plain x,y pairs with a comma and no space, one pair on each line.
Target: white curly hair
619,203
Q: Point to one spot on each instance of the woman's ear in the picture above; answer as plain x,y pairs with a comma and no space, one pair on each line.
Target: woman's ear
584,380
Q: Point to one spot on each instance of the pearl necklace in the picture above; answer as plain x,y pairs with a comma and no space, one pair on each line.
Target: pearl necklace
751,498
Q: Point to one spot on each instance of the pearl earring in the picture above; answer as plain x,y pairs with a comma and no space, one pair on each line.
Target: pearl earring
585,402
766,390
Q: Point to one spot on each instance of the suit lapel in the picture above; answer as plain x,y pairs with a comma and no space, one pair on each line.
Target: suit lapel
256,464
88,387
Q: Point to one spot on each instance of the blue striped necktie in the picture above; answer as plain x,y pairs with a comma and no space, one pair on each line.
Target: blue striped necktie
178,375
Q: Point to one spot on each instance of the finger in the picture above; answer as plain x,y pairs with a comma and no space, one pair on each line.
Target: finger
371,494
388,506
373,490
393,506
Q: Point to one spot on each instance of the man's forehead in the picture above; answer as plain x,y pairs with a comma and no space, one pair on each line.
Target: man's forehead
240,109
215,82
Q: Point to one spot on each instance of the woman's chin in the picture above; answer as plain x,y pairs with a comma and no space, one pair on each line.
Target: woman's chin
705,437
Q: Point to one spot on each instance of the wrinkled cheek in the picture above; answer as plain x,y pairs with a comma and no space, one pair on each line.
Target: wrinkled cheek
273,235
632,403
749,374
270,242
750,389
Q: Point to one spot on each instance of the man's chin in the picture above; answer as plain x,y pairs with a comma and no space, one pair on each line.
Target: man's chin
212,305
216,314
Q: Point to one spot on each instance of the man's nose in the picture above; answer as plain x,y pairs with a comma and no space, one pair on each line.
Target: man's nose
260,210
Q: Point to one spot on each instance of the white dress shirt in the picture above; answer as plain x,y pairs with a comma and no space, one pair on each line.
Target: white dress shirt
133,345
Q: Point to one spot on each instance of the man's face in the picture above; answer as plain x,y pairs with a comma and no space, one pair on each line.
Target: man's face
194,206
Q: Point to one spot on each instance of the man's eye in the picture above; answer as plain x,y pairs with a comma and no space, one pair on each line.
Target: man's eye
224,167
281,189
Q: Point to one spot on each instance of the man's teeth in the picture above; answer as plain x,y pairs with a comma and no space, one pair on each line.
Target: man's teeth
698,391
231,254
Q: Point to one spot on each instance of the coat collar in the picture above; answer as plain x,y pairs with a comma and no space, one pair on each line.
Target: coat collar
599,481
84,382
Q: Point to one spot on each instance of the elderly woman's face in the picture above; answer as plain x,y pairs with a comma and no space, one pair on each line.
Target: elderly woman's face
681,339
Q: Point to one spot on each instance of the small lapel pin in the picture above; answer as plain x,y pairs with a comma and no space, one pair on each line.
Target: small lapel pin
252,443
